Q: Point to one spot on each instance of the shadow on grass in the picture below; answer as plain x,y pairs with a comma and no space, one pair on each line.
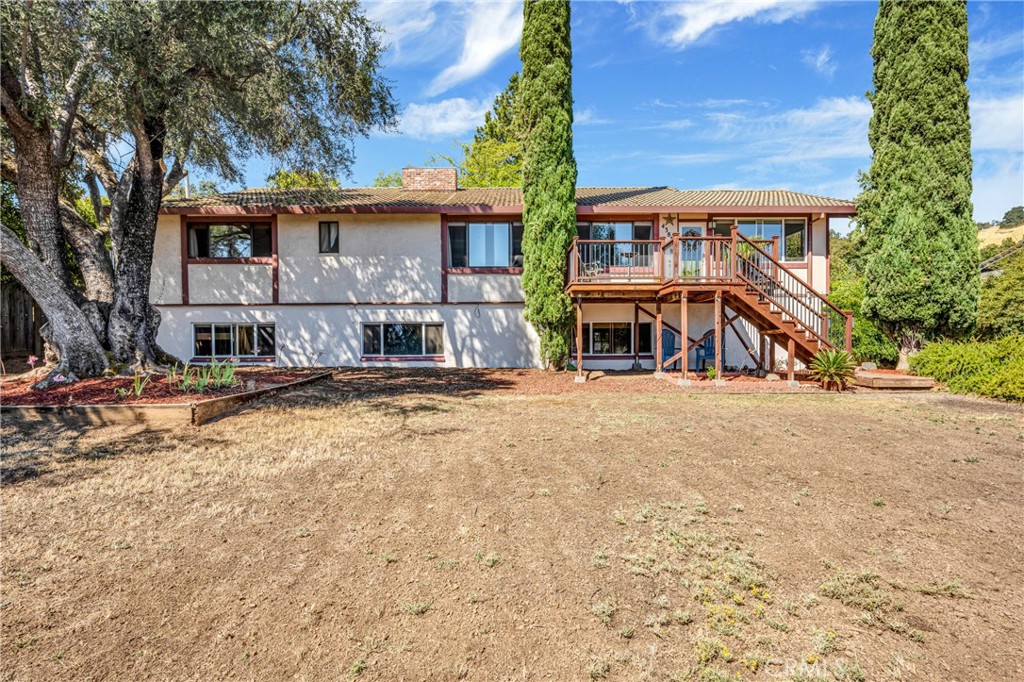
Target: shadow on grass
36,449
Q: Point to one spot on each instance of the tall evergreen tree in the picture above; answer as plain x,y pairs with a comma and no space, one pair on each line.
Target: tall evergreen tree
495,156
921,242
549,172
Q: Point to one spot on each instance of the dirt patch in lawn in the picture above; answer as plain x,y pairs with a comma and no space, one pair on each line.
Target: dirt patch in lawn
465,526
104,391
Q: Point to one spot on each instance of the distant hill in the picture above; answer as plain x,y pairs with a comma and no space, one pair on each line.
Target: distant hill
996,234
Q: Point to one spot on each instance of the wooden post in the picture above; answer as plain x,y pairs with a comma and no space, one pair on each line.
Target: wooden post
775,247
790,359
718,335
771,354
636,335
762,349
734,232
658,348
579,339
684,333
848,335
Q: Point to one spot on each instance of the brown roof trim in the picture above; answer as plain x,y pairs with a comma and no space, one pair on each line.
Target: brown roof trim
501,210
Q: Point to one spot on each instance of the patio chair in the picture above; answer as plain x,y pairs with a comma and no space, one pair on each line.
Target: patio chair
592,269
668,348
705,352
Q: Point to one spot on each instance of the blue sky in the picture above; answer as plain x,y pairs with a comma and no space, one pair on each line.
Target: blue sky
753,94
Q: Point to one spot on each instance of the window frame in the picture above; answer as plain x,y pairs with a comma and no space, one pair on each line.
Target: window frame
191,224
233,326
588,341
337,237
589,225
383,356
759,221
511,269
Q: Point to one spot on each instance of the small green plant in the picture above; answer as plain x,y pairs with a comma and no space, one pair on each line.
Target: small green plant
139,383
490,560
833,369
201,379
598,669
878,502
712,374
604,611
417,608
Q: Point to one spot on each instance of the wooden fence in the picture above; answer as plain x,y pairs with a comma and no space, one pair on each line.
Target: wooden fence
20,319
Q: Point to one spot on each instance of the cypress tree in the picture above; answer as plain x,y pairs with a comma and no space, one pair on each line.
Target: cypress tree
921,242
549,173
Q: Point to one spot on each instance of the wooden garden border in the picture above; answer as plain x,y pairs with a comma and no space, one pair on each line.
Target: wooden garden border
160,416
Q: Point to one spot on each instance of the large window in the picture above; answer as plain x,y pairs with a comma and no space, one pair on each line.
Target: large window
792,234
615,338
229,240
403,339
233,340
485,245
618,230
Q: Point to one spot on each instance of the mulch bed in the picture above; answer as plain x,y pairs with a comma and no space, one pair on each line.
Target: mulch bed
101,391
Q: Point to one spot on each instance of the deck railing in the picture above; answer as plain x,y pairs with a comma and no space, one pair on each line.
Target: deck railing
602,260
735,259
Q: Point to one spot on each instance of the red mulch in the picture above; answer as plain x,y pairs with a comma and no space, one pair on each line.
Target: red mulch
100,391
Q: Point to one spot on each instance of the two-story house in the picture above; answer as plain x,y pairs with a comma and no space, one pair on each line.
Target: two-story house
430,274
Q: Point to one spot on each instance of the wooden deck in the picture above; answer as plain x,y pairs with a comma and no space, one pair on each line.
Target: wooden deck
881,380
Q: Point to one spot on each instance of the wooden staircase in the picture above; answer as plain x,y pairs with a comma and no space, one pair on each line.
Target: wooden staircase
746,274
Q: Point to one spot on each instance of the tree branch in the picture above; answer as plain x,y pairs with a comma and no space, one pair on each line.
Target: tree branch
72,96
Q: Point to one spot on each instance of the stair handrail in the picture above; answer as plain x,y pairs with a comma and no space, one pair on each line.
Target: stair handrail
822,336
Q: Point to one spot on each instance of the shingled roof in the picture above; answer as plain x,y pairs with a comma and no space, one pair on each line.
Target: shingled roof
501,200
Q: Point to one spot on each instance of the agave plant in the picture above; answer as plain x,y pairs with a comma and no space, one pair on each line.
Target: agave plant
833,368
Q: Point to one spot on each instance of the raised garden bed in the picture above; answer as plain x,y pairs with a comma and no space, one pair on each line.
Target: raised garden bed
97,401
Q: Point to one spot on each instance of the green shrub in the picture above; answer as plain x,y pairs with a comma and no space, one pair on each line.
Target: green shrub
832,368
990,368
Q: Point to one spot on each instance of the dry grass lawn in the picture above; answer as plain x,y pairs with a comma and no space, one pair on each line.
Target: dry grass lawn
451,526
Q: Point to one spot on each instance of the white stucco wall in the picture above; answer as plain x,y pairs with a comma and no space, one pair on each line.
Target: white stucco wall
383,259
474,336
226,283
165,280
491,288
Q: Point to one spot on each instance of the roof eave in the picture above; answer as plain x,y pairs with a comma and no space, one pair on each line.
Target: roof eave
495,210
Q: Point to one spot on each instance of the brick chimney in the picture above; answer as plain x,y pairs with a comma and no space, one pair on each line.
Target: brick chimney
442,179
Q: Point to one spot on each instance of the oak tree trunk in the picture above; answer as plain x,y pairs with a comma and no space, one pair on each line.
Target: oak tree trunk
134,322
68,328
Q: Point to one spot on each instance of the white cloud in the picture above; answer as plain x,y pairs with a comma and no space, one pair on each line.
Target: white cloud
677,124
997,123
492,29
820,60
405,24
588,117
447,118
989,48
998,186
689,22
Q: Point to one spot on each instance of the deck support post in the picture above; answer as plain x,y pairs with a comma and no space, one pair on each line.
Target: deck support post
684,334
658,347
771,354
718,336
579,341
790,359
636,336
763,351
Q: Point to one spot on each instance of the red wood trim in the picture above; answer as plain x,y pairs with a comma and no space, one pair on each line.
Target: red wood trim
828,255
275,260
606,212
484,271
401,358
256,359
619,356
809,251
444,258
184,260
253,260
